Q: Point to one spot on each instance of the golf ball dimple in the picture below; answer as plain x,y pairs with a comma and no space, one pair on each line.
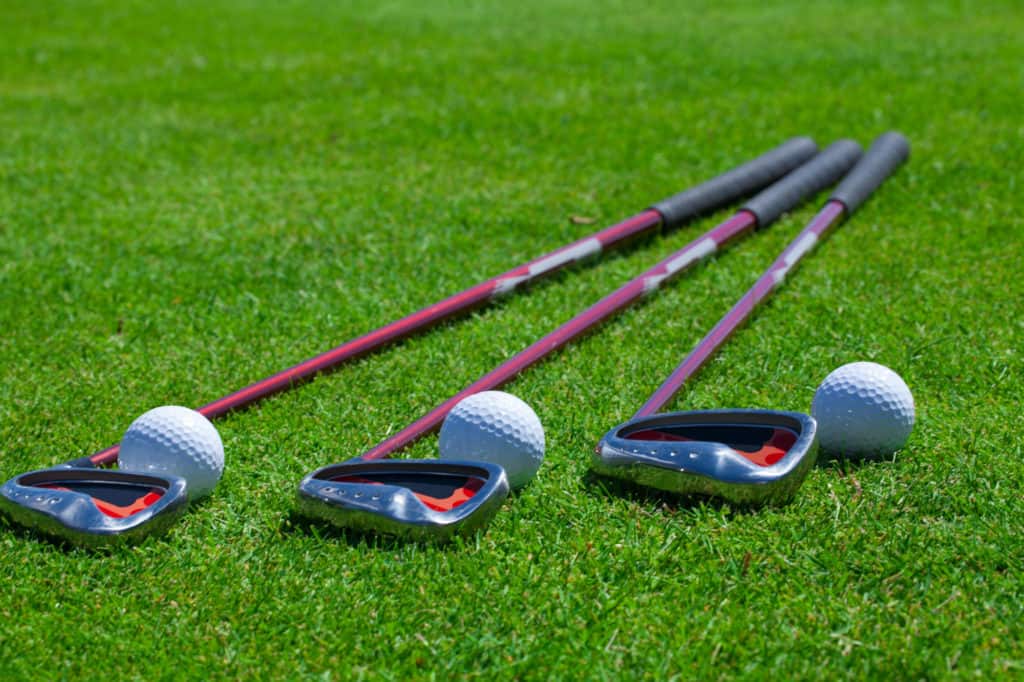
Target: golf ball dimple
176,441
863,409
495,427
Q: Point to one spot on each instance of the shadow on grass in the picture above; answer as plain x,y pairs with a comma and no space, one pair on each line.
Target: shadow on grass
297,524
612,487
847,465
25,534
673,502
103,548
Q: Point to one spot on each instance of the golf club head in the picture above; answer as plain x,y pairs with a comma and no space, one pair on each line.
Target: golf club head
94,507
750,457
423,499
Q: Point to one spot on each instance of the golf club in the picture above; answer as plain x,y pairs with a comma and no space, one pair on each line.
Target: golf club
743,456
84,504
402,497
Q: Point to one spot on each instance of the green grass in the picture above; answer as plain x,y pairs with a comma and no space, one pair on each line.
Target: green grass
196,194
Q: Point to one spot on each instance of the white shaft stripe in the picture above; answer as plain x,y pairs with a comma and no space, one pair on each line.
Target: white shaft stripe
507,285
651,283
701,250
587,247
800,247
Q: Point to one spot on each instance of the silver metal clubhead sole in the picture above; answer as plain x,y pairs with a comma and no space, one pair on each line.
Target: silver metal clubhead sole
646,452
413,499
62,503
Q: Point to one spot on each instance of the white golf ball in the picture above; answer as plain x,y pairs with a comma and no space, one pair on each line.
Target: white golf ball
495,427
863,409
177,441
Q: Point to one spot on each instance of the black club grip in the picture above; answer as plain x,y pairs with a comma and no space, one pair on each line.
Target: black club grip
807,180
886,154
737,183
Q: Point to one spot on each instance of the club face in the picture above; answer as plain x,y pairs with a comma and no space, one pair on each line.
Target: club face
743,456
414,499
94,507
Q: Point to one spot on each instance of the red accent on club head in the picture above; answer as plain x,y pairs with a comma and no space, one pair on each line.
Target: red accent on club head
458,497
117,511
774,449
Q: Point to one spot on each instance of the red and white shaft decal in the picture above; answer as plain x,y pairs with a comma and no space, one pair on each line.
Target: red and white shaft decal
703,198
424,319
733,228
828,218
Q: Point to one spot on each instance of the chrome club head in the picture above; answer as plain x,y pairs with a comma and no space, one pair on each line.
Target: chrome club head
94,507
743,456
414,499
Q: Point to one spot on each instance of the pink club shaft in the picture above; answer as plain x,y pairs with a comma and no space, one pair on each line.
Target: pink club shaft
671,212
710,243
826,220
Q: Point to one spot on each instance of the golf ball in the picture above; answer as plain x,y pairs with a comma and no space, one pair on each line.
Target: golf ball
495,427
863,409
177,441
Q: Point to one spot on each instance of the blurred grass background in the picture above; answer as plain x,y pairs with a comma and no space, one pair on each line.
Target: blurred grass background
194,195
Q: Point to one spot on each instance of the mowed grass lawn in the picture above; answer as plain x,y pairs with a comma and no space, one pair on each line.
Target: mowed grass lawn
196,194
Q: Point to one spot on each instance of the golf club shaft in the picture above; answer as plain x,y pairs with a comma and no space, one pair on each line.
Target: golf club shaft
669,213
813,176
886,154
